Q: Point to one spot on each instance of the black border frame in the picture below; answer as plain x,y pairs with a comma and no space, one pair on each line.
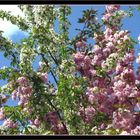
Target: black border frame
74,137
71,2
70,137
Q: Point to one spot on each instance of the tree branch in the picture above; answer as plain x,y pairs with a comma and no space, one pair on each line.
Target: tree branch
46,62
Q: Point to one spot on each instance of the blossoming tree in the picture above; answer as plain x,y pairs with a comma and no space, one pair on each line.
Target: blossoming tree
94,88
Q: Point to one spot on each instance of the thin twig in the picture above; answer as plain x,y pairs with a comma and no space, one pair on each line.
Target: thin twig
52,57
46,62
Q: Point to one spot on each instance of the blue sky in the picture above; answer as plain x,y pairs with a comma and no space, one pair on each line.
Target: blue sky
12,32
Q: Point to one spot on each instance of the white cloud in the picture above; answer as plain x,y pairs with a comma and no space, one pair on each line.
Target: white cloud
5,25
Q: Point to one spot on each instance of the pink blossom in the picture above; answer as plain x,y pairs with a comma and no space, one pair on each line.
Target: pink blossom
14,95
125,38
106,17
123,120
106,52
91,98
108,32
87,59
26,90
119,42
44,78
121,33
37,122
93,72
117,86
136,131
78,57
101,126
22,100
52,117
116,36
80,44
97,49
110,45
119,68
22,81
112,8
87,114
9,123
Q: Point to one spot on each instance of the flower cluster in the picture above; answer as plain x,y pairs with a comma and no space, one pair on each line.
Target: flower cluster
113,15
56,126
23,92
83,63
113,86
87,114
123,120
10,124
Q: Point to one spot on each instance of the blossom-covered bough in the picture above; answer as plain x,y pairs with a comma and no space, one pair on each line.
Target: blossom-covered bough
94,88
